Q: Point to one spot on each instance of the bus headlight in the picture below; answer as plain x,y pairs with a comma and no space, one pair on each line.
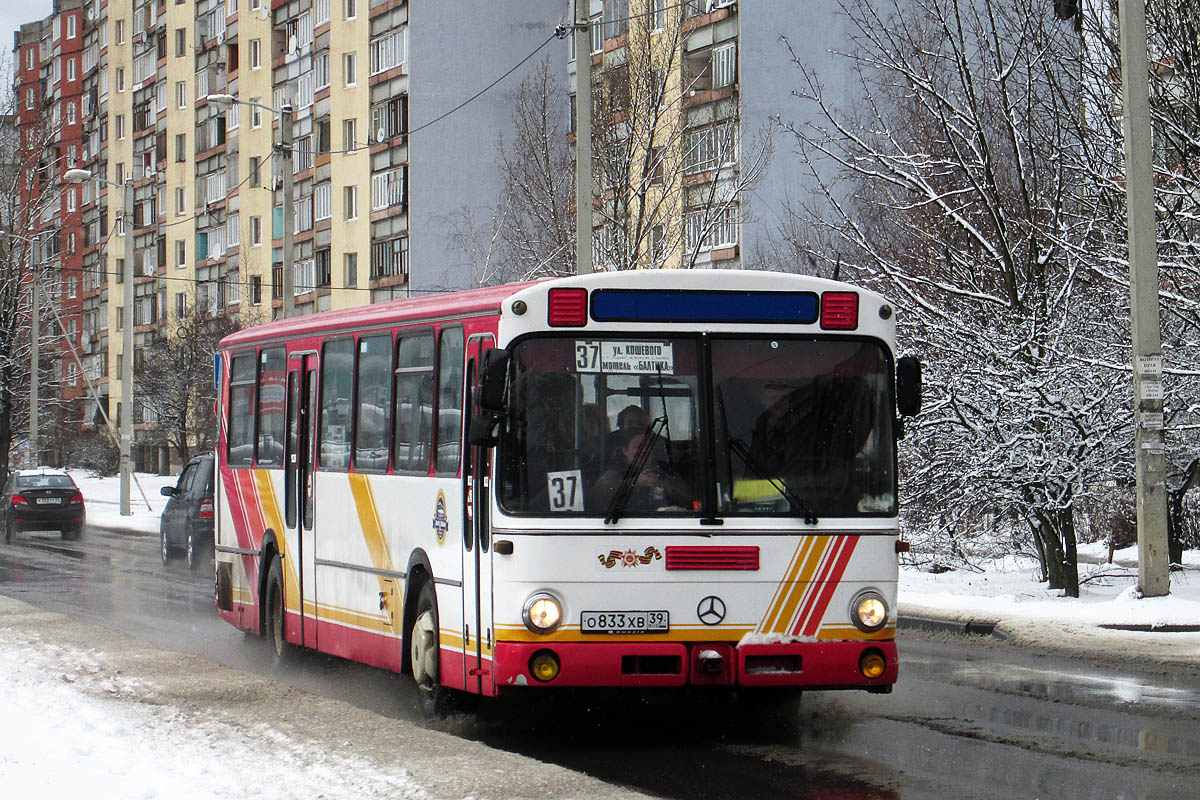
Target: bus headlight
868,611
542,612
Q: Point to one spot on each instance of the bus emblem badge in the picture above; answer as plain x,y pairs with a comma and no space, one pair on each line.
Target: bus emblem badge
711,610
628,558
441,523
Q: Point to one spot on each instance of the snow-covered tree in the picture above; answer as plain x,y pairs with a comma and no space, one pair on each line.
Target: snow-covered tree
175,380
30,195
963,186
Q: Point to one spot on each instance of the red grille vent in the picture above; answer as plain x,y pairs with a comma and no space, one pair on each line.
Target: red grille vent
712,558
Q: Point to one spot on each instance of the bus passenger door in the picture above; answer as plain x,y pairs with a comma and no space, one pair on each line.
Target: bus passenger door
477,551
298,483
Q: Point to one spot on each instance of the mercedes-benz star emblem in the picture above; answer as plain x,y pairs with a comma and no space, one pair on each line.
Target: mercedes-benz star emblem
711,610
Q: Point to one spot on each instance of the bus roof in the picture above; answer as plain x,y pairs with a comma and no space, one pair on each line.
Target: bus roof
431,306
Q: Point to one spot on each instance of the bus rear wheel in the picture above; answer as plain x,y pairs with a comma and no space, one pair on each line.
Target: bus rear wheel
274,613
425,652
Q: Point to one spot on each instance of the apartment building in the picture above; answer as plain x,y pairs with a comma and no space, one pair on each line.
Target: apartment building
138,91
50,112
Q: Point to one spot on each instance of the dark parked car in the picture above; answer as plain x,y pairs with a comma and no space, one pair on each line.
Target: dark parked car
42,499
187,521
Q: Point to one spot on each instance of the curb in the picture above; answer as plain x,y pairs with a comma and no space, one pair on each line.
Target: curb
973,627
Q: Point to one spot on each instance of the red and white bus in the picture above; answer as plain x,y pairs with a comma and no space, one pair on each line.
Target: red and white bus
637,479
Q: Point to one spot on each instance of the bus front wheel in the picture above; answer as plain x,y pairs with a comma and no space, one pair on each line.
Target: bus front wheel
425,650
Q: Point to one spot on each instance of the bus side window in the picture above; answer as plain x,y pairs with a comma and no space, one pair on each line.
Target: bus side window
373,403
241,410
449,418
413,413
271,398
337,380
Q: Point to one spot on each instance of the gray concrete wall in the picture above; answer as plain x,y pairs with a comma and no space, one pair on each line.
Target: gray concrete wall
456,50
767,77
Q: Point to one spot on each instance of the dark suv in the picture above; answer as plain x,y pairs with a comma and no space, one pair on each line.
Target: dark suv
187,521
42,499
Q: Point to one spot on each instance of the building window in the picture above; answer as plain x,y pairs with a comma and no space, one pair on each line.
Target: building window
120,31
120,126
351,9
256,231
180,94
350,68
256,290
179,202
120,79
255,113
181,254
349,135
255,53
180,305
71,201
254,168
350,262
180,147
70,69
724,64
616,18
71,113
180,42
660,15
350,199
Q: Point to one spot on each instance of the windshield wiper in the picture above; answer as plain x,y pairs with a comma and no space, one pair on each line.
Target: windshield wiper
736,447
625,490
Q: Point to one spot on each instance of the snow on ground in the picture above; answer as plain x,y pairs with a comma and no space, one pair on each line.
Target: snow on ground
1009,589
69,731
102,500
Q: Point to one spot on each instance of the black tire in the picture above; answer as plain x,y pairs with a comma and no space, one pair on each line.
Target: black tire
8,530
71,532
164,547
274,606
425,654
191,552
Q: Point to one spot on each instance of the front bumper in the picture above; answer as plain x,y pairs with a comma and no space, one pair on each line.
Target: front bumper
811,665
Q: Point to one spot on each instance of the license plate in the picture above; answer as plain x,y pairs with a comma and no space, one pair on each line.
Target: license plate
624,622
49,501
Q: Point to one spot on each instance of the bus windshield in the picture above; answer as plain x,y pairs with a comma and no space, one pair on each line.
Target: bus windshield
616,427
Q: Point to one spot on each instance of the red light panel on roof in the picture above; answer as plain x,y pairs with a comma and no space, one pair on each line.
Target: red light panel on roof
839,311
568,308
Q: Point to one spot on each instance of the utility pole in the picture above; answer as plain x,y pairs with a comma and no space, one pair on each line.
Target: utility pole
35,249
583,139
1149,455
289,209
127,223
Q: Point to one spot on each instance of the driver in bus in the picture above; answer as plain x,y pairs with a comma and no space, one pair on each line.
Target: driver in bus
655,489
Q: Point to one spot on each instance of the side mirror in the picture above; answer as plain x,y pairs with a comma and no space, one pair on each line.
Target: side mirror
491,404
908,386
494,383
167,491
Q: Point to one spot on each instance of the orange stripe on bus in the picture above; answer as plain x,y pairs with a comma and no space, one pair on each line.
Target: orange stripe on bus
802,584
377,549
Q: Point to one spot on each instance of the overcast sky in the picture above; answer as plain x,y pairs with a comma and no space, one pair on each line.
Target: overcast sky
14,14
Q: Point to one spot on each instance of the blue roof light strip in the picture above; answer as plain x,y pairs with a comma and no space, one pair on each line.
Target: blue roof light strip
627,305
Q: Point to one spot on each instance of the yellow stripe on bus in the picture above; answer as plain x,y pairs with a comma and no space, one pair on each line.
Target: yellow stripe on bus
381,557
799,584
274,521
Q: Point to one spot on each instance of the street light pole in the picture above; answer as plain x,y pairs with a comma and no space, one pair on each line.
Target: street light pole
126,443
35,252
289,210
583,139
1149,450
127,352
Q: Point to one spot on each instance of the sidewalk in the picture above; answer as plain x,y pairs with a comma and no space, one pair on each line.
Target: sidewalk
1106,621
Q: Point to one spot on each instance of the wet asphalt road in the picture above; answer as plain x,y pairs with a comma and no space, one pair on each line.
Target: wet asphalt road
970,718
